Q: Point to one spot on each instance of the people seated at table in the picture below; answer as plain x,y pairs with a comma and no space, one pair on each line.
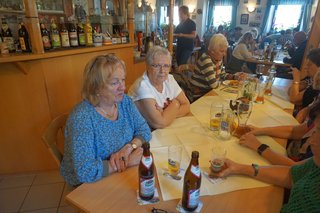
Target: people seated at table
185,33
301,92
207,36
296,50
156,93
235,35
242,51
105,131
286,37
303,179
298,147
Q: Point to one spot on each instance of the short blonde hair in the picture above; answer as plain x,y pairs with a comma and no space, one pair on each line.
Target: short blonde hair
217,42
96,73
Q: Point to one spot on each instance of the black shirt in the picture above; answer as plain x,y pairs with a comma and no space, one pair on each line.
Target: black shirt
187,27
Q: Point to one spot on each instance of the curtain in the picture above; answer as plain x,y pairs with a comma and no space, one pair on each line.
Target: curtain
212,3
265,18
304,24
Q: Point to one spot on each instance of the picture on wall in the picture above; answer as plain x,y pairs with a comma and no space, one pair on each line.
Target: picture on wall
244,19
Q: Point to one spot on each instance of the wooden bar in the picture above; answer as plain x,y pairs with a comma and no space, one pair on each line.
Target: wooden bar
170,33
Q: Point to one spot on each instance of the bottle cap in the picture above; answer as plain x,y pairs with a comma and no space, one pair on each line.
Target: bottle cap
195,154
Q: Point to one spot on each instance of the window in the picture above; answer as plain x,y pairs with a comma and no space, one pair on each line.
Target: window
222,15
164,19
284,20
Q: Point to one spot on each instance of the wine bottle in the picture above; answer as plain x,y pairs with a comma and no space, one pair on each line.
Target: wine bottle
45,37
73,35
88,32
64,33
55,37
7,36
81,35
24,37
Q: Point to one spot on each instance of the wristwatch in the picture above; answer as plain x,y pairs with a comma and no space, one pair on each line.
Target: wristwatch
261,148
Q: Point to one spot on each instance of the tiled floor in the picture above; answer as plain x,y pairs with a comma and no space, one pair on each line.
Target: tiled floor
34,193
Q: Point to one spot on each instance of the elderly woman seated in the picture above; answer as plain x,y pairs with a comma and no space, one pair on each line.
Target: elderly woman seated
156,93
303,179
105,130
207,72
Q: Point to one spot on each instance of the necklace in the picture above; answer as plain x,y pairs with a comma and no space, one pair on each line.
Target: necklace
107,114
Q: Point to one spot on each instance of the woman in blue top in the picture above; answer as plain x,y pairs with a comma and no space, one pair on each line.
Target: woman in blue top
104,132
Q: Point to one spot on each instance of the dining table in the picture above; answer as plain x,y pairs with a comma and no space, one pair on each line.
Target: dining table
118,192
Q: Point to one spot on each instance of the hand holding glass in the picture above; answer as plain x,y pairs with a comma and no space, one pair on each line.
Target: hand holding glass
217,158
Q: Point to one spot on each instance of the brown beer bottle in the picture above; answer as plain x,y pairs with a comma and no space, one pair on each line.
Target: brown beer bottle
146,174
45,37
191,184
23,37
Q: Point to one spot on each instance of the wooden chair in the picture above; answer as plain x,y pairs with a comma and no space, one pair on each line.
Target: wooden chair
50,136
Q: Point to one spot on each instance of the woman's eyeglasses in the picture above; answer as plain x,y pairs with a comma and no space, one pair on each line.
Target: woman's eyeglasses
163,66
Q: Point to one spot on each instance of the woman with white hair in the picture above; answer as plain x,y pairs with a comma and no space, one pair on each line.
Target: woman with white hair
156,93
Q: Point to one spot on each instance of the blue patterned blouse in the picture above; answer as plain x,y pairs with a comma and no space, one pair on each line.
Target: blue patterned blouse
90,139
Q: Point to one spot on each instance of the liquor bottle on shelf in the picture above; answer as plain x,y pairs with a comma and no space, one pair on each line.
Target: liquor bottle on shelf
7,36
64,33
24,37
73,35
88,32
146,174
45,37
191,184
81,35
55,37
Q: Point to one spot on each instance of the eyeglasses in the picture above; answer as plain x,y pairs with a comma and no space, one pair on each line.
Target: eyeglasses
154,210
158,66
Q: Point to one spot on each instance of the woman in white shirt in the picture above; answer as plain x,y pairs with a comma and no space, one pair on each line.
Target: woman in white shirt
156,93
242,51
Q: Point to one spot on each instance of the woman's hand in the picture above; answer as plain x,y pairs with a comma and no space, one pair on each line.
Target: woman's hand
119,160
135,157
230,168
254,130
296,75
250,141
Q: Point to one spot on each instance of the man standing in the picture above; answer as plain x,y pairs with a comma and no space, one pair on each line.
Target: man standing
185,33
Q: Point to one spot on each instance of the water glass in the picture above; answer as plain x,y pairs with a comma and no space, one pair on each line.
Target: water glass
217,158
174,159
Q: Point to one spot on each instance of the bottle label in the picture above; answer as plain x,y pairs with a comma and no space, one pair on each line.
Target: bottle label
146,186
82,39
56,40
89,40
46,41
10,42
22,43
195,170
65,39
73,39
193,198
146,161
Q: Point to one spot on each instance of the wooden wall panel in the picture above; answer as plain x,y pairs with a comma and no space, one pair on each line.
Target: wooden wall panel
29,102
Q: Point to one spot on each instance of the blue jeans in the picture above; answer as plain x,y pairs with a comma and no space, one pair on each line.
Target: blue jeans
182,56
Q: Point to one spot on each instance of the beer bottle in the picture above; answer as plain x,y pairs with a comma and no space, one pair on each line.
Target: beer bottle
7,36
64,33
191,184
45,37
146,174
23,37
88,32
73,35
81,36
55,37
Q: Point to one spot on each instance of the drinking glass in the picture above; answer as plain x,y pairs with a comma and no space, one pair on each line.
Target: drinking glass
217,158
261,87
174,159
226,124
215,116
270,80
244,110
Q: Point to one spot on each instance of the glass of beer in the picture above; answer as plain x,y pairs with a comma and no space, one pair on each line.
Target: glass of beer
244,110
217,158
215,116
174,159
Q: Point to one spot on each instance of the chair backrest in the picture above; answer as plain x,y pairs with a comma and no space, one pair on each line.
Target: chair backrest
50,136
